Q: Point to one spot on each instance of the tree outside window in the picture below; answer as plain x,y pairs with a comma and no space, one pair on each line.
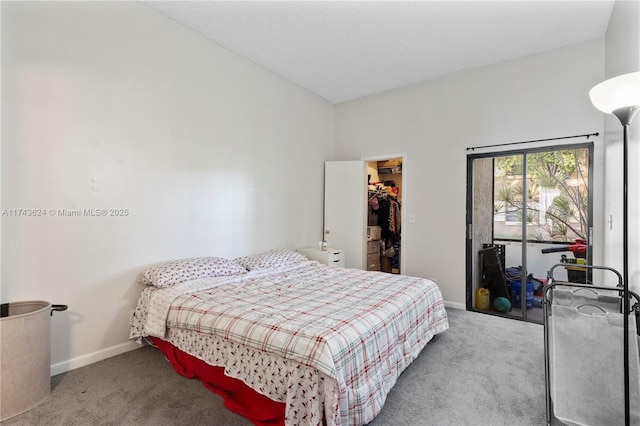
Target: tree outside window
556,199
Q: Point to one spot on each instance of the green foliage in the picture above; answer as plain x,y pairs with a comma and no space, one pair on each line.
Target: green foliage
562,170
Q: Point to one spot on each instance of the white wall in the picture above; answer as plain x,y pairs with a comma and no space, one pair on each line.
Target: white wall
540,96
109,105
622,56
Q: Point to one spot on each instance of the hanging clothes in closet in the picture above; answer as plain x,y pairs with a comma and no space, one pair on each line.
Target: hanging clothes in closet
385,212
389,217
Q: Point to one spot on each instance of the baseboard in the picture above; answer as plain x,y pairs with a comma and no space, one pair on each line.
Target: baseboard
84,360
455,305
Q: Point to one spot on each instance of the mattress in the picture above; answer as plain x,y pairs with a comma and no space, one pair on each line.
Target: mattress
328,342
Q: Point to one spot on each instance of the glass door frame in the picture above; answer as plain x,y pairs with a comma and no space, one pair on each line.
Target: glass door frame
470,214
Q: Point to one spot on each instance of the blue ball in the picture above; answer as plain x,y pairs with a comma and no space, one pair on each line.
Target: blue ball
502,304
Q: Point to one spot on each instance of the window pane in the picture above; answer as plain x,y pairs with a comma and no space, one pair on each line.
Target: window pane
556,199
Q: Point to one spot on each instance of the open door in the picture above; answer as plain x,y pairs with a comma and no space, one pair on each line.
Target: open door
345,200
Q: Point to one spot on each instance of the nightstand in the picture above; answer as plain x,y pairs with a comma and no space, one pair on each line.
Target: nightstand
331,257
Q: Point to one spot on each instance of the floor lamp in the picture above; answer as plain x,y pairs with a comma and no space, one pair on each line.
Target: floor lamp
620,96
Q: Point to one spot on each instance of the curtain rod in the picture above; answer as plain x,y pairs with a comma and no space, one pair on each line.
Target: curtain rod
536,140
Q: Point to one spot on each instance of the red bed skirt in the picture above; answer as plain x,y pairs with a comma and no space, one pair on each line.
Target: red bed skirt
238,397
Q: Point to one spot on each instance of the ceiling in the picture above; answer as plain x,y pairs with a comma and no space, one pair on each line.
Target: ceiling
344,50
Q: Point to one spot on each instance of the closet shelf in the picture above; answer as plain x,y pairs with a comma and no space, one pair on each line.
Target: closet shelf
390,170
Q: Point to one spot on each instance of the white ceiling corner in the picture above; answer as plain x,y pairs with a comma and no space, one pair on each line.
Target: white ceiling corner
344,50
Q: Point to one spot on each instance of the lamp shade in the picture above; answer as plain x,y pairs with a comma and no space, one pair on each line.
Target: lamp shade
617,92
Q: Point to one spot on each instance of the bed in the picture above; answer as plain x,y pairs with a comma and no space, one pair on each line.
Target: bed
286,340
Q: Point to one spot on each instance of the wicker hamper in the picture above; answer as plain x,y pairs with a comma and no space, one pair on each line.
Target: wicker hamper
25,372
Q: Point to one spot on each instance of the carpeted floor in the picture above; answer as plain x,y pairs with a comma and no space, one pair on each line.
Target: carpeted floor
485,370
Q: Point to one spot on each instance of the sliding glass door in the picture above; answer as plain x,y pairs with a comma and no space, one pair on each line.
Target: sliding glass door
526,211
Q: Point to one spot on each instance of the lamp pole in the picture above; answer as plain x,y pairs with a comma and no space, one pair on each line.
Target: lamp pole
625,115
620,96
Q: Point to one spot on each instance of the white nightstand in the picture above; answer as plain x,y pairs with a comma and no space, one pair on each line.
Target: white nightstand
331,257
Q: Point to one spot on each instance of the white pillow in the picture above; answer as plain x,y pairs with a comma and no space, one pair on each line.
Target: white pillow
271,259
178,271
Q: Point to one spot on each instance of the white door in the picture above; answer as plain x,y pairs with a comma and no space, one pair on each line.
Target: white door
345,201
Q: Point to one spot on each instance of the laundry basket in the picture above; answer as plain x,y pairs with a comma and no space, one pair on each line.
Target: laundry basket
25,371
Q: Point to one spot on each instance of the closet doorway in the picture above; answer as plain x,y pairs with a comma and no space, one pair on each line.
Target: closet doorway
527,210
347,215
384,215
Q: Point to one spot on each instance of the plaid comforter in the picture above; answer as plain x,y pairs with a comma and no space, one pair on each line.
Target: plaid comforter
358,329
